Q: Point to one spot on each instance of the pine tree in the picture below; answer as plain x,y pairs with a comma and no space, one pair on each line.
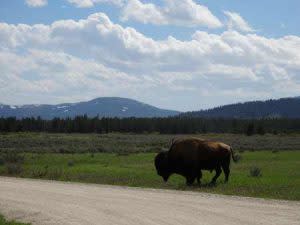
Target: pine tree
250,129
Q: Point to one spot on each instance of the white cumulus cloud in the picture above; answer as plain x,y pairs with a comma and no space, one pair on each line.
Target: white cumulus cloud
142,12
92,3
173,12
36,3
236,22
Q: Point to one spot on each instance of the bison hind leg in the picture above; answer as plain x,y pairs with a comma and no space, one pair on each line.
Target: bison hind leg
226,172
226,169
218,172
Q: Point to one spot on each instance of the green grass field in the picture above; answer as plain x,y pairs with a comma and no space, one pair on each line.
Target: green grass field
5,222
280,172
126,159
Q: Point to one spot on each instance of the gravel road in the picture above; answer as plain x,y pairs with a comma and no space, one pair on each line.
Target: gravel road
52,202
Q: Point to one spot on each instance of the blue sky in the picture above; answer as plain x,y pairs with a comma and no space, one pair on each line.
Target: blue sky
271,18
177,54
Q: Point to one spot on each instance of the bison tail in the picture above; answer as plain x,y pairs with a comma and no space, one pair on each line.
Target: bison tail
233,155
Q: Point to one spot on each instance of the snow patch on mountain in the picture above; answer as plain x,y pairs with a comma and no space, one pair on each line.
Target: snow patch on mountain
62,106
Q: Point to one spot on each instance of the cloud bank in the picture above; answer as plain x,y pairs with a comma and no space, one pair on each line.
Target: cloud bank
72,60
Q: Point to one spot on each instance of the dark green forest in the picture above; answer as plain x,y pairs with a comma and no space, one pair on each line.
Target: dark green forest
273,108
170,125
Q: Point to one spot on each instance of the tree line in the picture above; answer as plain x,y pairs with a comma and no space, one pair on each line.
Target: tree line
280,108
170,125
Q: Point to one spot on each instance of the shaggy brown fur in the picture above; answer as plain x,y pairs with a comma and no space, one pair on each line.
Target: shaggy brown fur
188,156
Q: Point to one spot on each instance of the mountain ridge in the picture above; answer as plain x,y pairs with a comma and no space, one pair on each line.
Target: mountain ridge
272,108
102,107
126,107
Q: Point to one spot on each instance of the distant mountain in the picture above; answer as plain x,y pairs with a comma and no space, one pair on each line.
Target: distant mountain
104,107
280,108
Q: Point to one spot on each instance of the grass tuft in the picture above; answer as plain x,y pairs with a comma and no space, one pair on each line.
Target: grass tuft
3,221
71,163
255,171
14,168
238,157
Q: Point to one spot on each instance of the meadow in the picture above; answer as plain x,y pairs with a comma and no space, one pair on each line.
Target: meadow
134,143
269,166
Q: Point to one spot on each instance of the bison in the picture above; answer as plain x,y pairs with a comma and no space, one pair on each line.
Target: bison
188,156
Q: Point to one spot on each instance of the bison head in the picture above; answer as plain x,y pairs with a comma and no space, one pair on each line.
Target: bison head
161,165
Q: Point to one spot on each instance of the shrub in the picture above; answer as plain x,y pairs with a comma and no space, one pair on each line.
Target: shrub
71,163
66,151
14,168
250,129
39,172
13,157
255,172
237,157
13,162
123,153
261,130
1,160
55,173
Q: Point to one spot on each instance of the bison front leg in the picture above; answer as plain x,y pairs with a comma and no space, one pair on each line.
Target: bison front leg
218,172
